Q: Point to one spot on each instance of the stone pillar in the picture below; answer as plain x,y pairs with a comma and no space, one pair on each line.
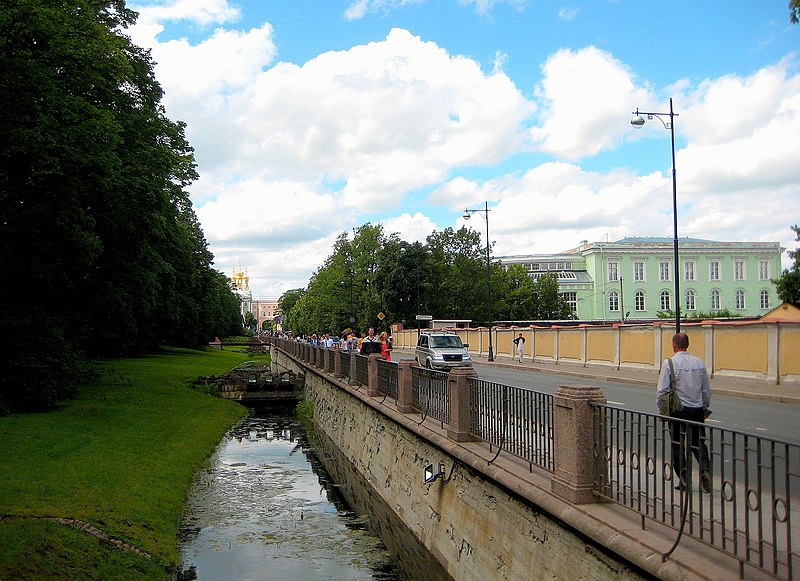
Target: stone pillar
352,374
573,442
458,429
405,386
337,363
372,374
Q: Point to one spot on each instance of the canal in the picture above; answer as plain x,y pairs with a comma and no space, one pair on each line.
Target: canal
276,501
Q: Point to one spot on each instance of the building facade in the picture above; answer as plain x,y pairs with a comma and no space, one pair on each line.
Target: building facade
265,310
633,278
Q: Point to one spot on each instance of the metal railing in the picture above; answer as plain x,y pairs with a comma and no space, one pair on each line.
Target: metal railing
362,369
514,419
753,484
387,378
345,362
430,394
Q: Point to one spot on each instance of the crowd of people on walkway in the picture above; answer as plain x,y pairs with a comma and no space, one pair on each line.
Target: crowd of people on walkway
354,342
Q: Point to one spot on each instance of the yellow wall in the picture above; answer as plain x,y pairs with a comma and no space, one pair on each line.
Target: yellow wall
600,345
789,355
740,348
744,349
570,344
545,343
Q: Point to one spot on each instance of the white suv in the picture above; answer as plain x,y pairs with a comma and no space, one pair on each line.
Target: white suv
441,350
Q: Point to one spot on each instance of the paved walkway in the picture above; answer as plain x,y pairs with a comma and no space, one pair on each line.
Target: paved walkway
730,386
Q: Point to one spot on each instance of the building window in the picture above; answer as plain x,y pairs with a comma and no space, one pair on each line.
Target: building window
638,300
613,301
572,300
690,300
613,271
713,270
739,272
764,299
715,300
763,269
663,271
740,302
688,270
638,271
665,302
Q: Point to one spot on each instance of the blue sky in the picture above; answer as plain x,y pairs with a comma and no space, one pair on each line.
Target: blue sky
310,118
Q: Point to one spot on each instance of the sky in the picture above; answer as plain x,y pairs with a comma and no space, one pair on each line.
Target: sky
311,118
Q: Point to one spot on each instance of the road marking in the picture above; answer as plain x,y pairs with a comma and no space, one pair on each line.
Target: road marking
761,429
710,421
616,402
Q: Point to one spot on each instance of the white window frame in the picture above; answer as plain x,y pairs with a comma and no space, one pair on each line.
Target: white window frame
613,270
716,299
713,270
691,300
763,269
613,301
639,271
689,270
739,269
639,301
740,299
664,271
665,300
764,297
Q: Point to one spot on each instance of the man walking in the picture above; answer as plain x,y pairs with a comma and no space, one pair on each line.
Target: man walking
690,378
520,343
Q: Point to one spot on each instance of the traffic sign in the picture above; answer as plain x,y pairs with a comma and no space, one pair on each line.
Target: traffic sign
424,317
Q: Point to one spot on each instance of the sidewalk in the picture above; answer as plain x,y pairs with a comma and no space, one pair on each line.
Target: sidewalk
729,386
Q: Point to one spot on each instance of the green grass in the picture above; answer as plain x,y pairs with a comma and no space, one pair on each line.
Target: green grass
120,457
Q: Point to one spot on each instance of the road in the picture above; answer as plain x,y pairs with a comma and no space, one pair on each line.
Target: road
764,418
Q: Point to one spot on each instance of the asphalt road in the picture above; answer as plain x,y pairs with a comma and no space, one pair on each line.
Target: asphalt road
764,418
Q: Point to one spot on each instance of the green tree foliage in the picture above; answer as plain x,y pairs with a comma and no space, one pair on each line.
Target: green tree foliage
788,283
549,304
794,11
100,249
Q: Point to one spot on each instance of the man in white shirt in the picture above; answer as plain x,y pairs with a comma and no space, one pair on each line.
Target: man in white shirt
694,391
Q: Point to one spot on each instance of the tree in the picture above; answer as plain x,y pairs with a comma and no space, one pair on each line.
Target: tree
549,303
100,250
788,284
794,11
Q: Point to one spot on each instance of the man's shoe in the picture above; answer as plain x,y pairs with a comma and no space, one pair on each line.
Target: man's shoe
705,483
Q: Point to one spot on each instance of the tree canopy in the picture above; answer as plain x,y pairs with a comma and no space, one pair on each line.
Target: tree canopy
788,283
369,273
102,253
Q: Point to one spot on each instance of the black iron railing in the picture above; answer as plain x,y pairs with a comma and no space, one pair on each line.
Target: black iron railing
743,504
387,378
517,420
362,369
429,394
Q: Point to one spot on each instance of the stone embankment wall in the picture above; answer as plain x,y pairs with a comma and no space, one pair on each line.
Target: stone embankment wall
475,527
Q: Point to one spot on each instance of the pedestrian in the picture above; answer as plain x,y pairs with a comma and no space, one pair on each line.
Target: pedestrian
687,374
370,344
520,343
386,346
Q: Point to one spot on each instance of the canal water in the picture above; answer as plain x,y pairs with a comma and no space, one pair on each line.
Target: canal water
266,508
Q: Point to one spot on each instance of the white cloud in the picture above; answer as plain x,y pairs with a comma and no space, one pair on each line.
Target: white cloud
202,12
585,95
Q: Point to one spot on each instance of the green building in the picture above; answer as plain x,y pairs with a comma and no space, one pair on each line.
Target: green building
633,278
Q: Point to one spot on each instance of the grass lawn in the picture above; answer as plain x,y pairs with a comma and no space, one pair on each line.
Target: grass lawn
121,458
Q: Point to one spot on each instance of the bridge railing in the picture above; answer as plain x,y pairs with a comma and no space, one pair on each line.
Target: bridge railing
429,393
599,452
743,505
387,378
514,419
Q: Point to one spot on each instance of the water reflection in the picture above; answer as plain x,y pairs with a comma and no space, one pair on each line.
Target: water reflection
259,511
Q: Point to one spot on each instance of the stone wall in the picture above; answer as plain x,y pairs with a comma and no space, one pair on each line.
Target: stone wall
472,524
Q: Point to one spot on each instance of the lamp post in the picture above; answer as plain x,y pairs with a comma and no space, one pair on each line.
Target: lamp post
467,215
638,123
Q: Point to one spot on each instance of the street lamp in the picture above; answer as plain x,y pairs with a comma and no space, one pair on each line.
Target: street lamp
467,215
638,123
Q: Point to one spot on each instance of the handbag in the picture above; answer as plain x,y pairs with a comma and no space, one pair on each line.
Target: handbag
673,401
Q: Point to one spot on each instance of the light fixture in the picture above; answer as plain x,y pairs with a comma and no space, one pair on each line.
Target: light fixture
638,123
430,475
467,214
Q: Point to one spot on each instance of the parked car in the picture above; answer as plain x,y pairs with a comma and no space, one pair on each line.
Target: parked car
441,350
